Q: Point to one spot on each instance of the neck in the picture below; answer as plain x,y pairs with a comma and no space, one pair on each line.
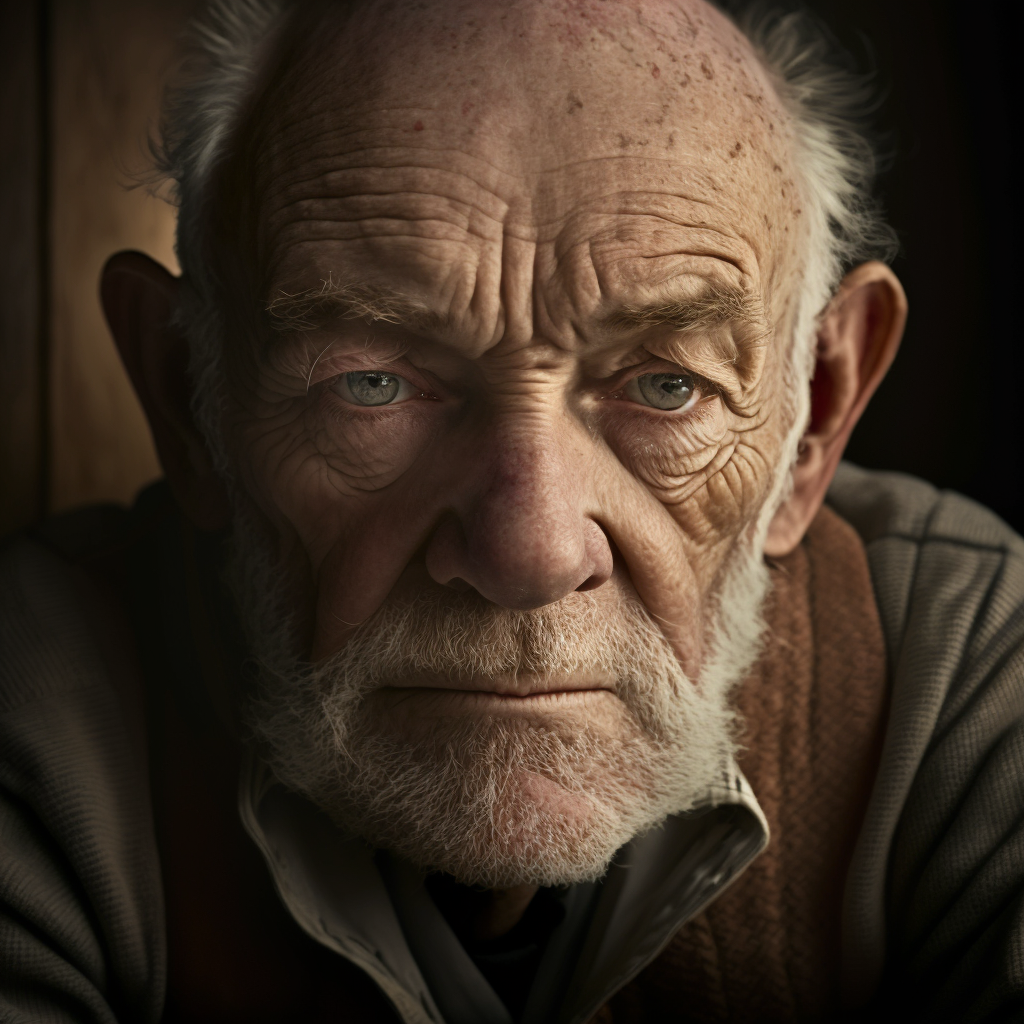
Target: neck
479,915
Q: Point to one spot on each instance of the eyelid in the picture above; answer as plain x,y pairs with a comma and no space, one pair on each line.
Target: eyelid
338,366
633,392
622,378
341,386
346,356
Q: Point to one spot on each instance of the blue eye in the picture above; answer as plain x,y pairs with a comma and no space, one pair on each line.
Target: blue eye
373,387
662,390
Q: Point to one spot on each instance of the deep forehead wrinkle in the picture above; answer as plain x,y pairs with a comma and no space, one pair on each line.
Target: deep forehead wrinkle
694,316
706,138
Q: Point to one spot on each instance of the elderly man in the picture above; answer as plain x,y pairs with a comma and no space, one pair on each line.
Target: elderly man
498,620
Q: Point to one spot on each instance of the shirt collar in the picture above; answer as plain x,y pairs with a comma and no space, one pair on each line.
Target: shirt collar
333,886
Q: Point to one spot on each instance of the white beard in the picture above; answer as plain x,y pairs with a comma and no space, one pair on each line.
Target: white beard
500,801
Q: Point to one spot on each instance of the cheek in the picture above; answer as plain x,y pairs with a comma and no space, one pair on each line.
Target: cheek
711,469
706,468
315,468
705,480
670,457
366,450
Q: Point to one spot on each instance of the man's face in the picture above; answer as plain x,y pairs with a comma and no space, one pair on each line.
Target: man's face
530,276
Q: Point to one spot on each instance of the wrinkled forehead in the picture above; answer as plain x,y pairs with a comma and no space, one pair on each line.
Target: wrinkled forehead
537,117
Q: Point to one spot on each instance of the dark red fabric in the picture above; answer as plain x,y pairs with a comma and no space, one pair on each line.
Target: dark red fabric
768,950
814,708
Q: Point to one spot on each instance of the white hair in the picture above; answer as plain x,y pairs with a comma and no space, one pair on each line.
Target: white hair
674,735
834,157
228,41
497,801
828,103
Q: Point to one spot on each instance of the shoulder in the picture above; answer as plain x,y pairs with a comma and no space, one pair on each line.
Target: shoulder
947,815
948,576
894,507
45,644
948,573
80,904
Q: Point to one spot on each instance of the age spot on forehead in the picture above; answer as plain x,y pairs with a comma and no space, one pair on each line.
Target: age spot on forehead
435,166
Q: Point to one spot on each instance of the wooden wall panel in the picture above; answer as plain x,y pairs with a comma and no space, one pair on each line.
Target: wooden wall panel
110,59
22,266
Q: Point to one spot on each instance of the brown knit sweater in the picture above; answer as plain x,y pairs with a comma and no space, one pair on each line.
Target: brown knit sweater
769,949
934,912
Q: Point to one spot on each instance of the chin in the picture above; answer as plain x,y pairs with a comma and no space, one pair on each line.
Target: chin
494,789
533,831
495,802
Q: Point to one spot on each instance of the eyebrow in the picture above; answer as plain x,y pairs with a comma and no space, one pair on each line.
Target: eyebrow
315,308
715,306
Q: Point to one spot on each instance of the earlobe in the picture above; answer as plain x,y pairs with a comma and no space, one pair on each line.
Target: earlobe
139,297
858,337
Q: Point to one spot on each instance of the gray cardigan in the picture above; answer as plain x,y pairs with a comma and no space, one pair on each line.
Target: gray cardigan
933,910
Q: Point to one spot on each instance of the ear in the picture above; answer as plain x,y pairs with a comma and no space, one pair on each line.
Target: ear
857,341
139,297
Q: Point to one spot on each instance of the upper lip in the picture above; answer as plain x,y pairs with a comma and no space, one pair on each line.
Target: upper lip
521,686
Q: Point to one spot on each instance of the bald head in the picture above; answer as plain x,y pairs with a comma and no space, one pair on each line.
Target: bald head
521,121
495,309
544,77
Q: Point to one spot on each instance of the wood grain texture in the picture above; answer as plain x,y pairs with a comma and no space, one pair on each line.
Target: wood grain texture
21,267
110,60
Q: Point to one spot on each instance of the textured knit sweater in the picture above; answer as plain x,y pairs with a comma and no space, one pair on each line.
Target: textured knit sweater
770,948
932,925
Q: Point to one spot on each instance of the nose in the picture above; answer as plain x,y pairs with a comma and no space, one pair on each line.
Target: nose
522,536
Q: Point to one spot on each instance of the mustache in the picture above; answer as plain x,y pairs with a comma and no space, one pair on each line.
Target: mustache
454,634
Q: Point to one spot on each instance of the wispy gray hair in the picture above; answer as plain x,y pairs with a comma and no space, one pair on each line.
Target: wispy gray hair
829,104
826,100
228,41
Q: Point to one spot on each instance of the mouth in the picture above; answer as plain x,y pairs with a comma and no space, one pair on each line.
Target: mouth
523,686
458,693
496,696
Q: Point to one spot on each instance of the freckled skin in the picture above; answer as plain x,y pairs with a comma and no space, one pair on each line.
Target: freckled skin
522,170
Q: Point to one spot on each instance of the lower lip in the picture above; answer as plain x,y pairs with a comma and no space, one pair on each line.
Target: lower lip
492,700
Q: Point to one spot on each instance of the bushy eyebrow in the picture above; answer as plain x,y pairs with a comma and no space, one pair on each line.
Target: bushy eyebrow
695,315
316,308
716,306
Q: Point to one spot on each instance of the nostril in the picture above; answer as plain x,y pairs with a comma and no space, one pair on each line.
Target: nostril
601,552
459,584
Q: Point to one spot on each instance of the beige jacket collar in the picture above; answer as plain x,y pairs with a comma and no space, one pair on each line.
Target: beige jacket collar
333,886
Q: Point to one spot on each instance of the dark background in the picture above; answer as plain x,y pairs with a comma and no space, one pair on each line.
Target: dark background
951,409
79,79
